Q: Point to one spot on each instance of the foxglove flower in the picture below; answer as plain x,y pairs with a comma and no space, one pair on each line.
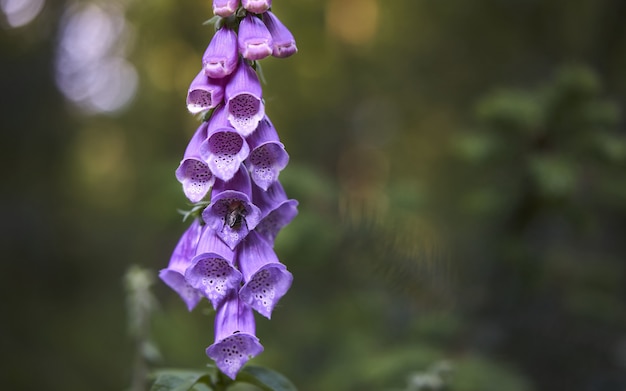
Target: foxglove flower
256,6
231,214
193,172
224,149
211,270
221,56
225,8
244,102
276,210
254,39
235,339
268,156
266,279
283,42
204,93
174,274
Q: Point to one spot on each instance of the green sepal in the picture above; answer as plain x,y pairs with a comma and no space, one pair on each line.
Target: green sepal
180,380
195,211
264,378
213,21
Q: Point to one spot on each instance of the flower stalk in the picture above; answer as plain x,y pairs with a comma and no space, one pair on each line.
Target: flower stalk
230,172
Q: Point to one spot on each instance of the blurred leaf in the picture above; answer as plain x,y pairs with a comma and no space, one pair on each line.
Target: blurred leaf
266,379
554,176
510,110
179,380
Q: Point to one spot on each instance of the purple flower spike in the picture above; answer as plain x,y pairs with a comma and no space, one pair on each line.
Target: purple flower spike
244,102
232,216
174,274
284,44
235,339
268,156
204,93
211,270
256,6
266,279
225,8
276,210
193,172
254,40
221,56
224,149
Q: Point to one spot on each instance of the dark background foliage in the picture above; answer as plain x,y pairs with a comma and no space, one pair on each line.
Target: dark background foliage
461,172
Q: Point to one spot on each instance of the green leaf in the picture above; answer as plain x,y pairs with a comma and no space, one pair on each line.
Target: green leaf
179,380
266,379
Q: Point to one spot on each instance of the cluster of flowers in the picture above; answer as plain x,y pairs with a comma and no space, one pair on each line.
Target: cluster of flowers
234,157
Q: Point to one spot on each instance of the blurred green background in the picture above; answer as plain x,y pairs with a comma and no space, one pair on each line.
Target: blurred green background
460,167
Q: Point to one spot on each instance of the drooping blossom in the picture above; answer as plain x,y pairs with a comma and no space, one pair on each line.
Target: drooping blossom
225,8
212,270
276,210
256,6
224,148
283,42
266,280
243,96
204,93
174,274
267,154
254,39
193,172
221,56
235,336
231,213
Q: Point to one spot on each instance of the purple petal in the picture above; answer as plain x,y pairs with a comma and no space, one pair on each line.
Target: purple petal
243,99
204,93
211,270
193,172
225,8
256,6
276,210
235,339
221,56
283,42
266,279
254,39
224,149
268,156
173,275
231,216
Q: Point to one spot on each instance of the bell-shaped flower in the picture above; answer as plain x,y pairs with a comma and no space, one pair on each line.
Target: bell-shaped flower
266,279
256,6
235,337
221,56
267,154
211,270
225,8
231,214
204,93
193,172
174,274
243,95
254,39
276,210
283,42
224,148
